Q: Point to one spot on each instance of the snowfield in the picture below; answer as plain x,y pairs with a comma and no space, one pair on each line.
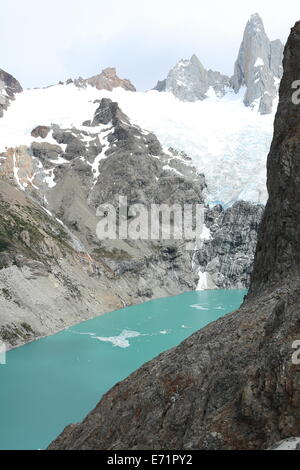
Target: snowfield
227,142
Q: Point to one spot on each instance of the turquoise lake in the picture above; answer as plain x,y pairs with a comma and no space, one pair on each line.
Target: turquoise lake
52,382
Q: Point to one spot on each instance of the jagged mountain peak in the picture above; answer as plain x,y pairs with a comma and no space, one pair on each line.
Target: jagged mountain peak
190,81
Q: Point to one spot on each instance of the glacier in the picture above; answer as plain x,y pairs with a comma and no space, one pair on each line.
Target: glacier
226,141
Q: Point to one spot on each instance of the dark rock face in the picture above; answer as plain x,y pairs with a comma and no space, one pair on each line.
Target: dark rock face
227,256
107,112
9,86
233,384
278,249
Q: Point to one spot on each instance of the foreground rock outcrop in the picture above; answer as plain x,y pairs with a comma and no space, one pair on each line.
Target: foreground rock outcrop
232,385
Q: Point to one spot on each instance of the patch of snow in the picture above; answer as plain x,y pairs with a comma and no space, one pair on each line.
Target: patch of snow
211,93
16,173
49,179
101,156
59,161
169,168
205,281
205,234
259,62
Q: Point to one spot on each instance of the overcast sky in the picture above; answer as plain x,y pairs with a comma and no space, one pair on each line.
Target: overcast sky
42,42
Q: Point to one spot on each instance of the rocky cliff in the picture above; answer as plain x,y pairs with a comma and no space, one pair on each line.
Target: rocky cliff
226,255
9,86
233,384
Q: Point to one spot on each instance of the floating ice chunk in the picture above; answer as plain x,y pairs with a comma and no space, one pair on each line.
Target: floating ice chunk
119,341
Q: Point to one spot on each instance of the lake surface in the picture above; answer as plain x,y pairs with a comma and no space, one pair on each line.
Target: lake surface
55,381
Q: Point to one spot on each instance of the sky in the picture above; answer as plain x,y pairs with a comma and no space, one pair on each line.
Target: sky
43,42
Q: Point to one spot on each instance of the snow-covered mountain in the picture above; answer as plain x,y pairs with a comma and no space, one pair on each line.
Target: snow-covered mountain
227,141
227,135
68,148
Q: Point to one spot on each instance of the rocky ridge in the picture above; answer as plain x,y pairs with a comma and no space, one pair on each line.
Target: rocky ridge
106,80
233,384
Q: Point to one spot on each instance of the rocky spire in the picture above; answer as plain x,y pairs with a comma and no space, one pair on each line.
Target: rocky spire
8,87
258,66
190,81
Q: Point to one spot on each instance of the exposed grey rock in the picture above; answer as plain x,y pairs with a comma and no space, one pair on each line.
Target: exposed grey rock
9,86
46,152
231,385
227,256
40,131
190,81
107,112
258,66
